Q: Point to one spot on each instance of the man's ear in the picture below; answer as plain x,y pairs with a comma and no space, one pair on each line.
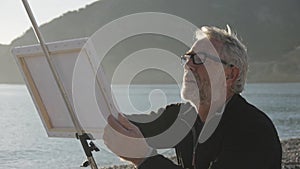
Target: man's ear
232,75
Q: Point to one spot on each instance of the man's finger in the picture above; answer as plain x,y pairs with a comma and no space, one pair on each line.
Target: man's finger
125,122
115,124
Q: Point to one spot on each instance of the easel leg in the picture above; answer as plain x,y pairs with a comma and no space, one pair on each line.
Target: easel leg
88,148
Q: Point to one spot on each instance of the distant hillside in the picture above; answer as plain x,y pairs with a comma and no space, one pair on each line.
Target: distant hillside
270,29
281,69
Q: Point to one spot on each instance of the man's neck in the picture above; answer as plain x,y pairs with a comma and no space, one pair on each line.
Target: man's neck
204,107
203,110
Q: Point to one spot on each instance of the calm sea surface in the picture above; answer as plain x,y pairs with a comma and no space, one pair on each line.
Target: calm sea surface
24,142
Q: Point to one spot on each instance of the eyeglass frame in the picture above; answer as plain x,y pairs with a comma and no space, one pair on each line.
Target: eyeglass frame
183,59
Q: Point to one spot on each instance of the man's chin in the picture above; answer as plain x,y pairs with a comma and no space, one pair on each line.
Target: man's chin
191,98
194,103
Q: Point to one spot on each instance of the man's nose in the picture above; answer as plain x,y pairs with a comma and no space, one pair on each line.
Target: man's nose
189,65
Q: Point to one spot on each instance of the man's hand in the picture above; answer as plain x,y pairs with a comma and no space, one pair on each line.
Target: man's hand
125,139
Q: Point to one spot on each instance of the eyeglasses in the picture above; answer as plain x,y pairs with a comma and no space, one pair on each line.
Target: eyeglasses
200,58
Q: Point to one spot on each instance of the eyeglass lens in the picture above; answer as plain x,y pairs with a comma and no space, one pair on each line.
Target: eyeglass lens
196,58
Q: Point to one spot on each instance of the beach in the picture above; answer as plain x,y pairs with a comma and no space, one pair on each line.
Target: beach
291,153
290,156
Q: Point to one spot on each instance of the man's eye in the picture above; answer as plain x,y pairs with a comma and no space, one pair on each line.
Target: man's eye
199,58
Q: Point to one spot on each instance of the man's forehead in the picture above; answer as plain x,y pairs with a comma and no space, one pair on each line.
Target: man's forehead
202,44
205,45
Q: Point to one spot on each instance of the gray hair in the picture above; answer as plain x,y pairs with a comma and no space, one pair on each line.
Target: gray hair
233,51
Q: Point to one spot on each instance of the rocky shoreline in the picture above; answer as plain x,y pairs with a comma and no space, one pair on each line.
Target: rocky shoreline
291,153
290,156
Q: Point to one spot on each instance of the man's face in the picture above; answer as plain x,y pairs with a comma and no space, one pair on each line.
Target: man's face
196,85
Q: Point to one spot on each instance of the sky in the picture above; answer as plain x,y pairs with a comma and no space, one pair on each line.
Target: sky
14,20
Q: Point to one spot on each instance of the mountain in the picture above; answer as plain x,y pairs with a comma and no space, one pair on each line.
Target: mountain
270,30
282,69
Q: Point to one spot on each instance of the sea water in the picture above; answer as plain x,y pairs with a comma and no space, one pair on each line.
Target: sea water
24,142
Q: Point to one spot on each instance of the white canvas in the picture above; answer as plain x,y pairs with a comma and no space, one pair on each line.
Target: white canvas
83,80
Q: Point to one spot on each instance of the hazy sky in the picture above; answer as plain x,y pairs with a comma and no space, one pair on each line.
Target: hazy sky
14,19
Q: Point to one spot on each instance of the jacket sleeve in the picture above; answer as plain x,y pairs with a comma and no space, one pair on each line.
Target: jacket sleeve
155,123
158,161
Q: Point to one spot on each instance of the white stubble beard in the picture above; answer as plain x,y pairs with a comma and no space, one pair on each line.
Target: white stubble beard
194,92
190,91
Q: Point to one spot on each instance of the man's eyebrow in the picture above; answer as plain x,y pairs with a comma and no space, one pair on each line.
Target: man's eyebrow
190,52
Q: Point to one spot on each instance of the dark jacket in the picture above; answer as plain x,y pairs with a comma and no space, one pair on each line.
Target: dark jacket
244,139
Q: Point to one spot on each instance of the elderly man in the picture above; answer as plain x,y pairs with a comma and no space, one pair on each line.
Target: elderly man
216,128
